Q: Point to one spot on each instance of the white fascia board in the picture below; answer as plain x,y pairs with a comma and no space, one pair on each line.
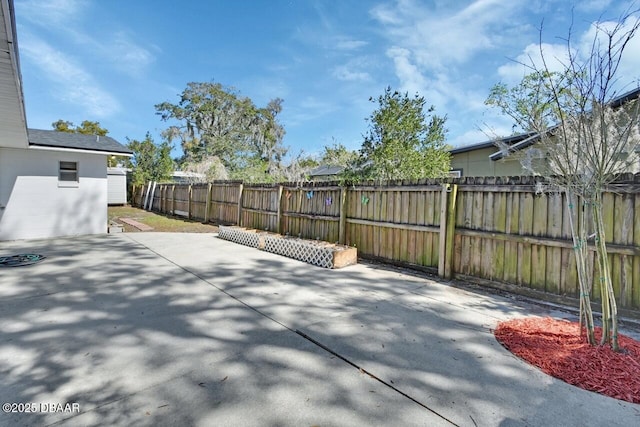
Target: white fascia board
15,65
77,150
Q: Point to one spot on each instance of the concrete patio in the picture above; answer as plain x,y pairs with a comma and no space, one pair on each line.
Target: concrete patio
186,329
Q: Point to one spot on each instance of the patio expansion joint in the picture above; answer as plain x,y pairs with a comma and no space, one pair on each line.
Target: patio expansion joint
297,332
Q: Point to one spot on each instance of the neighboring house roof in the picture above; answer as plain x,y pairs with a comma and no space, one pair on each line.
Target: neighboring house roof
326,170
615,103
76,141
527,142
625,97
509,140
187,174
187,177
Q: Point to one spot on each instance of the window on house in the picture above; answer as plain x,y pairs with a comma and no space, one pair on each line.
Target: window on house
455,173
68,172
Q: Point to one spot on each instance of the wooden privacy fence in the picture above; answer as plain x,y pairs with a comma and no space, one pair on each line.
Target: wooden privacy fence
501,230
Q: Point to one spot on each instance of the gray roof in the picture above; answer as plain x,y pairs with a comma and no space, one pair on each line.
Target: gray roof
615,103
76,141
509,140
520,145
625,97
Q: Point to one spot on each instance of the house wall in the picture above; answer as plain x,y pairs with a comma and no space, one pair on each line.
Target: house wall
33,204
478,163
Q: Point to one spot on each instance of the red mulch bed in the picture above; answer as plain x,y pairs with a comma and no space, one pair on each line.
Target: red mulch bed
555,346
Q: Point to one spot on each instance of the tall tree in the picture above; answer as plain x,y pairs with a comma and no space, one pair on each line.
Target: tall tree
404,140
150,161
87,127
585,141
337,154
298,168
214,120
267,135
207,170
530,104
63,126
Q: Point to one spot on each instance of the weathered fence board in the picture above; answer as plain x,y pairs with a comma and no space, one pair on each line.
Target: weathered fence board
502,229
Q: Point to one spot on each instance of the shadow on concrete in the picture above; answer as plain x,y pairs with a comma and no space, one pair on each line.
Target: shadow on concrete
187,329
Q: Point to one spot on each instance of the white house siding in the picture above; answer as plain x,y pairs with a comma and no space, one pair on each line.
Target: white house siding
116,186
13,130
34,205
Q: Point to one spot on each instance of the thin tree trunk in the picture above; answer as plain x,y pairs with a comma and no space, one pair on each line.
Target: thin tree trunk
580,249
609,306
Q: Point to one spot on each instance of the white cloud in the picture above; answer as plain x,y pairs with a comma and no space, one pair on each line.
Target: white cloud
386,14
629,69
410,76
355,69
344,73
71,83
349,44
432,47
556,57
63,18
592,5
50,12
126,55
308,109
440,38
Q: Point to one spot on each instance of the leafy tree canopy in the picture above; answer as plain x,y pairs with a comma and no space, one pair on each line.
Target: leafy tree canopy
87,127
404,140
150,161
212,120
337,154
537,102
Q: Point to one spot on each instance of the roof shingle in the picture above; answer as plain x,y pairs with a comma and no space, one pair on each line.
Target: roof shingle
76,141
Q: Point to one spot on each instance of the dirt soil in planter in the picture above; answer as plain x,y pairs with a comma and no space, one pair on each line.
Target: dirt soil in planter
556,347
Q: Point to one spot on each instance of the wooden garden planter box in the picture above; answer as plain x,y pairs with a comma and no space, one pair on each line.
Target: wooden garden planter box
318,253
244,236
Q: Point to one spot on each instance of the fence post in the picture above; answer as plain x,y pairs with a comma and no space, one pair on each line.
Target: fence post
240,204
163,198
207,205
146,196
167,194
190,200
153,193
131,197
279,213
442,253
173,199
451,230
342,228
447,230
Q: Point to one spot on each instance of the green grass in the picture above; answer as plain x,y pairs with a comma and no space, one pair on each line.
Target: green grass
159,222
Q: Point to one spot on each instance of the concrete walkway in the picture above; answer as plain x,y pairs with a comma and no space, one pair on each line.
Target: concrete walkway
186,329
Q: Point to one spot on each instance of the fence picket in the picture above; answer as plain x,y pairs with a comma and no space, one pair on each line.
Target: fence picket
502,230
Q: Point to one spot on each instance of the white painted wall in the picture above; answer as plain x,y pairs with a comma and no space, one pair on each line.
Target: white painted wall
116,187
34,205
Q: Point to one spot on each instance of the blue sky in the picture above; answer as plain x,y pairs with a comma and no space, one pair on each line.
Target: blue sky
112,61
